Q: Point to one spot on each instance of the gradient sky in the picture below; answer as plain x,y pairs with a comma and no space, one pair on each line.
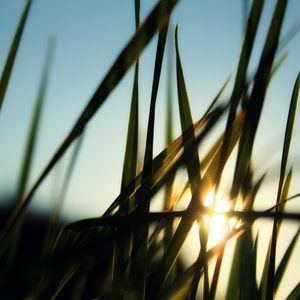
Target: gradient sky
89,35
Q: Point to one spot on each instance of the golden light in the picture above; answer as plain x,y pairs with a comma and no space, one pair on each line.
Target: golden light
217,224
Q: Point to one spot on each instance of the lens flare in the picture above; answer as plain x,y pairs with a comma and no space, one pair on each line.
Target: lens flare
217,224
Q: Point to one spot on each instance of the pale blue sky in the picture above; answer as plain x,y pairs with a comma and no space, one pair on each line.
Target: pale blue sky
89,35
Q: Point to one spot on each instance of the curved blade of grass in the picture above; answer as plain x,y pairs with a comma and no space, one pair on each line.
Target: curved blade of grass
284,261
10,60
123,244
71,249
282,202
285,152
157,19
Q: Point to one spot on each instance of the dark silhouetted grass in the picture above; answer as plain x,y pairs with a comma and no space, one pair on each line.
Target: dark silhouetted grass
131,252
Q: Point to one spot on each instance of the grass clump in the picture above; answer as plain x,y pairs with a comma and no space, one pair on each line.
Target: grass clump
131,251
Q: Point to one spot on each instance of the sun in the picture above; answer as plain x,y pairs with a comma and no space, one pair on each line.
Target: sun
217,225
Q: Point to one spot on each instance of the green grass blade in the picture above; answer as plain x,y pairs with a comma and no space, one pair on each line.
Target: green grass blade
137,8
278,209
27,160
52,231
238,281
131,152
289,36
257,97
284,194
181,286
240,79
278,63
193,167
214,283
156,78
140,235
168,200
186,117
280,271
157,19
205,186
254,287
123,244
295,293
285,152
282,202
32,137
163,159
10,60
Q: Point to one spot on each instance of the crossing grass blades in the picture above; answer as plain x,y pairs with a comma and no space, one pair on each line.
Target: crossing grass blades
130,251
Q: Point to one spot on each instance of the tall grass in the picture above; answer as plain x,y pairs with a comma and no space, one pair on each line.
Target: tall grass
130,251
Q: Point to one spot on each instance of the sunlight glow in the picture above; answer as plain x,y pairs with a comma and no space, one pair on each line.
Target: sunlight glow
218,224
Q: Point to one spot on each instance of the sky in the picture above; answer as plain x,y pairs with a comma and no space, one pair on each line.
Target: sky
89,34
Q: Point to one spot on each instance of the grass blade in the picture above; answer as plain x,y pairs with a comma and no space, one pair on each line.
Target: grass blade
166,156
27,161
163,161
284,261
52,231
157,19
10,60
280,209
241,284
186,118
285,152
205,186
169,137
294,293
123,244
140,235
257,97
193,166
32,137
240,79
